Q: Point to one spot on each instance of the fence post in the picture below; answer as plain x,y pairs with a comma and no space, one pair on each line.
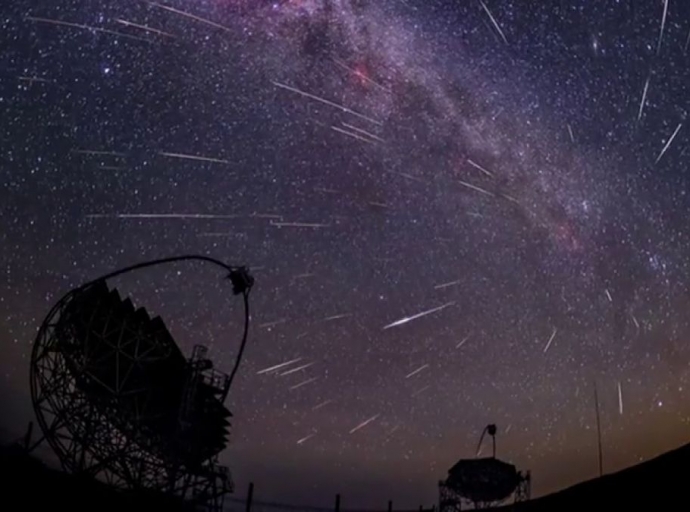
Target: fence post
250,497
337,503
390,505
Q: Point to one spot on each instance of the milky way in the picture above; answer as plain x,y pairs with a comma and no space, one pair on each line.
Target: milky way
457,213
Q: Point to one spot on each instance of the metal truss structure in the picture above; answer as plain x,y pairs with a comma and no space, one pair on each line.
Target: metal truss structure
116,399
450,500
483,483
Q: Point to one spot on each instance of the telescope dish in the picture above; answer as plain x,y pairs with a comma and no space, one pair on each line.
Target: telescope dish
117,399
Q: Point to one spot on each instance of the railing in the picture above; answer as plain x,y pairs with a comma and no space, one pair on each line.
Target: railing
217,380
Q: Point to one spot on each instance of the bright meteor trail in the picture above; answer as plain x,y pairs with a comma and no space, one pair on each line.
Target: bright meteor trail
407,319
326,102
195,157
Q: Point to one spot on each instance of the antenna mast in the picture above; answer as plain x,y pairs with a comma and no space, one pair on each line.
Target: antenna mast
491,430
596,405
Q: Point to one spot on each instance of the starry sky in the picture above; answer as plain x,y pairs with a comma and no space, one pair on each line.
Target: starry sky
457,213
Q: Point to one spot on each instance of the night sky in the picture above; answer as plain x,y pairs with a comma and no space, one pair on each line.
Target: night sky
457,213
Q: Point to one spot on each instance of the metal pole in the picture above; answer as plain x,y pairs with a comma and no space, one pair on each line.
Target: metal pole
337,503
390,505
250,497
596,405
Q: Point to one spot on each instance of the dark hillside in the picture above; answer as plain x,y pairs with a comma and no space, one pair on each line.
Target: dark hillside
27,484
661,483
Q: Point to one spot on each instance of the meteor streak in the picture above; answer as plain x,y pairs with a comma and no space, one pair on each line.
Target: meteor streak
548,345
479,167
220,235
364,424
266,216
637,324
266,325
668,144
511,199
298,369
194,157
144,27
408,176
447,285
420,391
326,102
473,187
336,317
190,16
159,216
312,225
368,134
84,27
303,383
495,23
101,153
278,366
304,439
32,79
464,340
572,135
303,276
421,368
644,98
320,405
407,319
353,135
663,26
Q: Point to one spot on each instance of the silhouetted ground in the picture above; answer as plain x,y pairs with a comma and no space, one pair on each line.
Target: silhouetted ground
26,484
658,484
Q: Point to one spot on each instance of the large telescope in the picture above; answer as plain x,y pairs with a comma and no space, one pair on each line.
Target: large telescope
117,399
